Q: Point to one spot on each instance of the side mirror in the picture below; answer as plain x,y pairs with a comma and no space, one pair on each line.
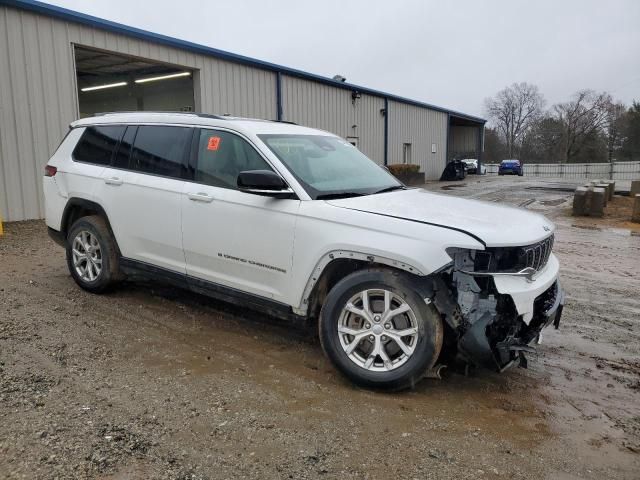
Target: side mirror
263,182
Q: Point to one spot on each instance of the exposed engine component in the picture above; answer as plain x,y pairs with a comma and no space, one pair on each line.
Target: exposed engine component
489,331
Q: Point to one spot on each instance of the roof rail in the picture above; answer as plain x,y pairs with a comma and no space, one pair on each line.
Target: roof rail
210,115
173,112
285,121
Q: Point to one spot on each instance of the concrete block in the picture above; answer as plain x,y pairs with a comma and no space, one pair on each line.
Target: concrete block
635,188
580,202
596,205
605,187
611,184
635,216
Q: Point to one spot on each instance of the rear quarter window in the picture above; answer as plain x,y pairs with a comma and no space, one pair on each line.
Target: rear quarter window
97,144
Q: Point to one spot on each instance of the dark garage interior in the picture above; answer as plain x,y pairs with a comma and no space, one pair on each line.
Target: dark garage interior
465,138
109,82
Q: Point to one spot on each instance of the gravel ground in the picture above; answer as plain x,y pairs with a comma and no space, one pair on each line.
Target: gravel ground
153,382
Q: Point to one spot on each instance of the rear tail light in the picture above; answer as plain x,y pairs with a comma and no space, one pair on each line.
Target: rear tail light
50,171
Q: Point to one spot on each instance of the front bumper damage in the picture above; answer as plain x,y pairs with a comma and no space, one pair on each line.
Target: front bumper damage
497,341
493,321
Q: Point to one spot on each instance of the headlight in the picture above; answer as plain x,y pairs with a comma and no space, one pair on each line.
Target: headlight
503,259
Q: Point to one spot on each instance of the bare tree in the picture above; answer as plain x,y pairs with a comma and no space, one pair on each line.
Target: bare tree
513,110
616,118
583,117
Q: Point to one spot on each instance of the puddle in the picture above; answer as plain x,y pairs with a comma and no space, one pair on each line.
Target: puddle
623,232
551,188
587,227
553,203
457,185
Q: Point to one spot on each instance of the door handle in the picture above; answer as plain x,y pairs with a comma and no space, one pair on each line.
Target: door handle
200,197
113,181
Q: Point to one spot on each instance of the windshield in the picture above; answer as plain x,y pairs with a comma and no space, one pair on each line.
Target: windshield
328,166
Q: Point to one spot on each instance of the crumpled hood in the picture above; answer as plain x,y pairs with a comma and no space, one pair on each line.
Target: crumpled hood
495,225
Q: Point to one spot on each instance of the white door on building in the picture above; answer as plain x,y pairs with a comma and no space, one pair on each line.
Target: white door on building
406,153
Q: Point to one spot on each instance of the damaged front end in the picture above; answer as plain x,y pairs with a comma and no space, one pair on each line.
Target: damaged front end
496,302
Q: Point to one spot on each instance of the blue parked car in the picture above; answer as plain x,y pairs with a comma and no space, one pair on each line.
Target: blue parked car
510,167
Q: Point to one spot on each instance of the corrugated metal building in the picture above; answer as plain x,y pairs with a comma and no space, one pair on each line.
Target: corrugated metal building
51,59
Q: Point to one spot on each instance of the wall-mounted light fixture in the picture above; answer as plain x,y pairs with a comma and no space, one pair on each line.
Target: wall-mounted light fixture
102,87
354,96
383,112
163,77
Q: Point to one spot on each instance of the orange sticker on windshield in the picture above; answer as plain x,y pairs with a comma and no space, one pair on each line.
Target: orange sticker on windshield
214,143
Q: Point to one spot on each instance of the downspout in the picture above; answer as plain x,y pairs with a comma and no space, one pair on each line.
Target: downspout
386,131
480,148
279,96
447,140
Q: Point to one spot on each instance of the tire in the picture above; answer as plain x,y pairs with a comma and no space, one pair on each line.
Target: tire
421,321
99,270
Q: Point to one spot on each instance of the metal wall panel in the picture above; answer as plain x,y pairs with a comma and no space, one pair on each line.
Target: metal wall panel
421,128
38,100
38,97
334,110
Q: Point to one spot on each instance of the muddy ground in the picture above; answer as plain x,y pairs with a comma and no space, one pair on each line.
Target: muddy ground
152,382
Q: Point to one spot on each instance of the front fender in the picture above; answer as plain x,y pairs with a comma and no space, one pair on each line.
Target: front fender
324,232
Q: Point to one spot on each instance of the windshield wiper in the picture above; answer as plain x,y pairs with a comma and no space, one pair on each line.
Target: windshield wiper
391,189
329,196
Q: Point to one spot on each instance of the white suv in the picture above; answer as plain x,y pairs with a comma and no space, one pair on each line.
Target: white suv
298,223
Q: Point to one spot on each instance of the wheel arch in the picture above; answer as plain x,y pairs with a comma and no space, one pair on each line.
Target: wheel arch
335,265
77,208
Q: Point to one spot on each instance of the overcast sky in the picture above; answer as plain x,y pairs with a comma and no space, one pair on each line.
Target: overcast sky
452,54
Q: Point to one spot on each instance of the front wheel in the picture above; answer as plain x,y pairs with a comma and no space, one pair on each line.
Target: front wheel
378,331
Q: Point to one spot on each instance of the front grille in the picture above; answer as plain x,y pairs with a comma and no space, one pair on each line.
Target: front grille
514,259
536,255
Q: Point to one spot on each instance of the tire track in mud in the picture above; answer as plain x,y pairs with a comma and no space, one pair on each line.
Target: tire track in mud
279,400
599,332
271,407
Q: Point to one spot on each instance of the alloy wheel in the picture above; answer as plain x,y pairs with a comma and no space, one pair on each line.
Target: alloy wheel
87,256
378,330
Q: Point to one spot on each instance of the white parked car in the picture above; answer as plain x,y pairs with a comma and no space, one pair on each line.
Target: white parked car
472,166
299,223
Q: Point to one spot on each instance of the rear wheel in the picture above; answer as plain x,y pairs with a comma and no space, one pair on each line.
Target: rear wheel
378,331
92,256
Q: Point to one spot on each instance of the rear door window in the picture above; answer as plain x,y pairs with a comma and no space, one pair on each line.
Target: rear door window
222,156
97,144
161,150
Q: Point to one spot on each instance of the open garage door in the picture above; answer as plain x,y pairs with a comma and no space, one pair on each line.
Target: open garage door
112,82
465,138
